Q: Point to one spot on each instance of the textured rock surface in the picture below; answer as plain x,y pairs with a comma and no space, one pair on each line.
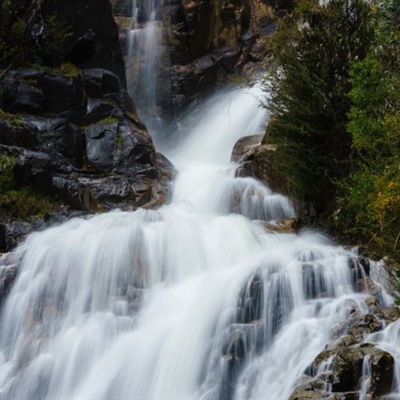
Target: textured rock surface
82,146
94,15
204,43
337,372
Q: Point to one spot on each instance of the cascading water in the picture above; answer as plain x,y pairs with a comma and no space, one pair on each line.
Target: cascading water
191,301
143,60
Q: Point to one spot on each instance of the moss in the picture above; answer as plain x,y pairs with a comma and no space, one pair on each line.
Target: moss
26,203
11,118
108,120
21,202
69,70
6,173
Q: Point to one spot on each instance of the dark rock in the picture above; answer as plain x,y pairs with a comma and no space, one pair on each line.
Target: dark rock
135,155
34,168
17,133
3,237
382,373
91,16
8,273
100,109
59,95
100,144
21,94
110,190
76,195
53,136
167,171
16,232
122,7
83,49
252,301
99,82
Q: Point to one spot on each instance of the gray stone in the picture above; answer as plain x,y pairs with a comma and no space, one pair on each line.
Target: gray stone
100,144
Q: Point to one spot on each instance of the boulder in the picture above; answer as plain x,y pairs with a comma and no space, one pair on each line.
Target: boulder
135,155
35,91
340,369
243,148
54,136
100,144
21,94
99,82
34,168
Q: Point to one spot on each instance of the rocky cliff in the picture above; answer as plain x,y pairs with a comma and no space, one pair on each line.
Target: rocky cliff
205,43
68,129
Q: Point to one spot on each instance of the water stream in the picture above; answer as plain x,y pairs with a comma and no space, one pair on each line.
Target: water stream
143,60
196,300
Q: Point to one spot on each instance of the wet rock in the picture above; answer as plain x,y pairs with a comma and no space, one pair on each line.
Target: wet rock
99,82
21,94
243,147
256,163
8,274
251,301
314,285
55,94
18,133
382,373
100,144
34,168
339,371
166,168
289,225
57,136
16,231
77,195
135,155
99,110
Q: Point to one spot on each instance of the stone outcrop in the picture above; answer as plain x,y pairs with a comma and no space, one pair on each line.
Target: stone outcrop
93,32
205,42
79,140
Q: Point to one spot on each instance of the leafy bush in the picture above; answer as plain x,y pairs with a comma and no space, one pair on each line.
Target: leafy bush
313,51
375,128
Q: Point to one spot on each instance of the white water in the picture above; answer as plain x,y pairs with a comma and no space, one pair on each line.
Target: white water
191,301
144,56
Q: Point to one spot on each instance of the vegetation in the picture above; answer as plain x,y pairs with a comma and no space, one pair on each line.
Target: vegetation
372,192
335,104
21,202
313,50
28,37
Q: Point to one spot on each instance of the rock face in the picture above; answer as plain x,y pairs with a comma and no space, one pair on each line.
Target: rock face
111,161
204,43
73,138
93,42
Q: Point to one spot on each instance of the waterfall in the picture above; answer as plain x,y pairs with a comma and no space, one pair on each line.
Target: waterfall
195,300
143,60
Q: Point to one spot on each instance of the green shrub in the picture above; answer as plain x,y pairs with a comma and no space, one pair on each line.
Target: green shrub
309,85
21,202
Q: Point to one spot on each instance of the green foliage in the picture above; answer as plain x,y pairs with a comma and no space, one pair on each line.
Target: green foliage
6,173
313,50
372,192
70,70
25,203
108,120
18,46
21,202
